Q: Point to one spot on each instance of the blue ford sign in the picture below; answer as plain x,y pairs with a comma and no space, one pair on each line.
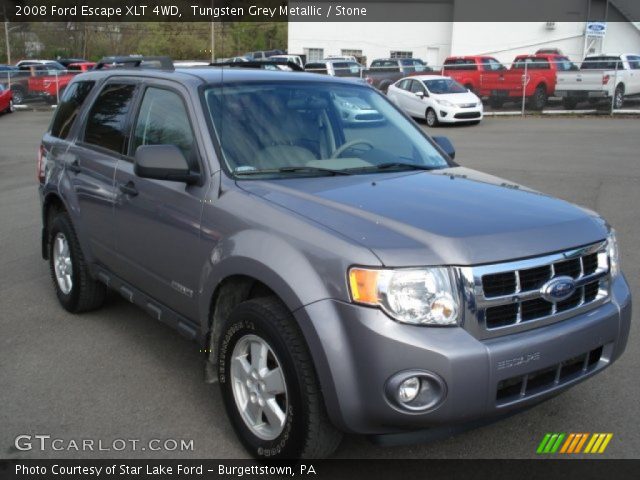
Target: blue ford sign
596,29
558,289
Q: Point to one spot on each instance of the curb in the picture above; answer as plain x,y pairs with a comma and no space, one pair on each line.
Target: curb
562,112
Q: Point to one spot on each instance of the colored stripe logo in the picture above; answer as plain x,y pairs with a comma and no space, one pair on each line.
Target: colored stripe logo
573,443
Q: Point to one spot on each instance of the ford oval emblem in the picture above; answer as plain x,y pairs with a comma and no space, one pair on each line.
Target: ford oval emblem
558,289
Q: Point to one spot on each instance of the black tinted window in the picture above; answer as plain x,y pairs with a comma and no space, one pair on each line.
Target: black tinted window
460,64
163,120
70,103
316,68
107,119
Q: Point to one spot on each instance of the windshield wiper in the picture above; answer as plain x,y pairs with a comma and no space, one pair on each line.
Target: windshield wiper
326,171
390,165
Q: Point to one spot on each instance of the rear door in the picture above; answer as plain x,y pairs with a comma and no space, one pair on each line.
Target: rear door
158,222
91,164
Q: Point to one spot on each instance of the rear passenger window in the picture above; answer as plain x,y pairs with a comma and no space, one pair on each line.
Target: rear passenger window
70,103
163,120
106,125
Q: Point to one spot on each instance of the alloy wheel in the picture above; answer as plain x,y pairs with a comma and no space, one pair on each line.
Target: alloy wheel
62,263
259,387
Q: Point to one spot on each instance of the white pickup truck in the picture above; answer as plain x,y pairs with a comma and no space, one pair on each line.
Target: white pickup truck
600,76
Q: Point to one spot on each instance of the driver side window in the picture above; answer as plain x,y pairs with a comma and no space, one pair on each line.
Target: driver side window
416,87
163,120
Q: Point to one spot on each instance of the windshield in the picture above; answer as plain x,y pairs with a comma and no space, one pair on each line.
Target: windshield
444,85
310,128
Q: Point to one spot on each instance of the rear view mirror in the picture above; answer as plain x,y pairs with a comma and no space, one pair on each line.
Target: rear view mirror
445,144
163,162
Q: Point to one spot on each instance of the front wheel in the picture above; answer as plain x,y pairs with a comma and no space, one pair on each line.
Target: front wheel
10,108
269,385
431,117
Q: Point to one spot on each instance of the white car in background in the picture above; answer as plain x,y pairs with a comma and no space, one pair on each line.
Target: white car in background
437,99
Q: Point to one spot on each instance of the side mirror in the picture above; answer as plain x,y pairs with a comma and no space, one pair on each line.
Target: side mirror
445,144
419,94
163,162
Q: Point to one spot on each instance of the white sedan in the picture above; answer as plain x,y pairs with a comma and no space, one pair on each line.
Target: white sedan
436,98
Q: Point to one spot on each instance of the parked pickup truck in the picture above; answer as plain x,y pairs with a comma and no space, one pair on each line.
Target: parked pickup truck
487,77
601,76
384,71
50,87
339,279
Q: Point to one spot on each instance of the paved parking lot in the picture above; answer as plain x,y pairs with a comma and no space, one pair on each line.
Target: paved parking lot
118,374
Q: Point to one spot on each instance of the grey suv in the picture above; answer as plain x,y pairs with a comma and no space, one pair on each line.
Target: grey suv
345,278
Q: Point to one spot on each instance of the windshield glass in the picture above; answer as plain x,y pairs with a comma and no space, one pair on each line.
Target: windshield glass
414,65
444,85
267,127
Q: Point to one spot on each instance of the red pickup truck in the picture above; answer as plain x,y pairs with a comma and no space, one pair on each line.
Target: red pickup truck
488,77
50,86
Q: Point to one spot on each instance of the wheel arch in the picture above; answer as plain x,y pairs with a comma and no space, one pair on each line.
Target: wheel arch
52,204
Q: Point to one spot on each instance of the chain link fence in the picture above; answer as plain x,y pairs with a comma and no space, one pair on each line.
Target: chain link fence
530,84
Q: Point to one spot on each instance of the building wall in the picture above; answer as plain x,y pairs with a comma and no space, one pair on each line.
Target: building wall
429,41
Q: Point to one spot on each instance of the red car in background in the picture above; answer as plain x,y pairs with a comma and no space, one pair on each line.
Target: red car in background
6,100
51,86
487,77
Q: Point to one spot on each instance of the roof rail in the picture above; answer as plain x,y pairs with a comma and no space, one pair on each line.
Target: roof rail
263,64
135,61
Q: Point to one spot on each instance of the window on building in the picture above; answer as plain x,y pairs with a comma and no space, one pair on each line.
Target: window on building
106,126
348,52
401,54
314,54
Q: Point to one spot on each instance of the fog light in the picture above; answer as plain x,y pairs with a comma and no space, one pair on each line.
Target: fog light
415,390
409,389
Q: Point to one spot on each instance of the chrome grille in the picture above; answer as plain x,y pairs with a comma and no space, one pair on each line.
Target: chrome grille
507,297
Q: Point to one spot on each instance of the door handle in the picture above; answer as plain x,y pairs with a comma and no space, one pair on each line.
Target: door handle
129,188
74,166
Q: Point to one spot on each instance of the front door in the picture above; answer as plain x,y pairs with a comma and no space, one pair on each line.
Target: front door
157,221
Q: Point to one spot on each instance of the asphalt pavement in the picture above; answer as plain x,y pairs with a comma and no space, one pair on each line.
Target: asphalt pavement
119,374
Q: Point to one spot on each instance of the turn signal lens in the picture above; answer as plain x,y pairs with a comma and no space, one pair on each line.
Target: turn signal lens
364,285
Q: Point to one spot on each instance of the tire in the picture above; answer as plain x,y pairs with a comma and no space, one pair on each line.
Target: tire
496,102
304,429
539,98
76,290
431,117
469,87
10,108
18,95
569,103
618,100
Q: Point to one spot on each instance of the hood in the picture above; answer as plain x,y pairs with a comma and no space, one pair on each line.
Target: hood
454,216
457,98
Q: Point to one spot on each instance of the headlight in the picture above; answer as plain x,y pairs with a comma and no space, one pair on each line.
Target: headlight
417,296
613,254
445,103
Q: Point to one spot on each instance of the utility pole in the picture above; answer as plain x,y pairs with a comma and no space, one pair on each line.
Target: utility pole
213,35
6,35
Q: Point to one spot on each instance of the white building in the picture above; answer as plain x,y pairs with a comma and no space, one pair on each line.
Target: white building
434,41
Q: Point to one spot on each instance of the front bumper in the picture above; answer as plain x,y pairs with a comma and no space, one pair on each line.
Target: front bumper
458,114
357,349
